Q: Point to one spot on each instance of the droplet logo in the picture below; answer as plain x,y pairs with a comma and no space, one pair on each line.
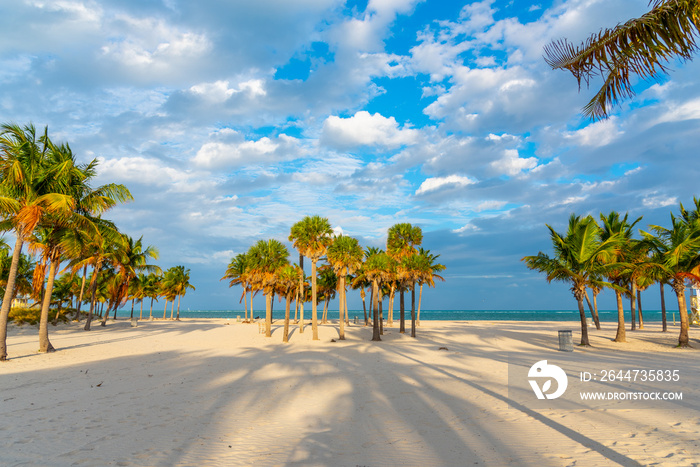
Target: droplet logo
542,370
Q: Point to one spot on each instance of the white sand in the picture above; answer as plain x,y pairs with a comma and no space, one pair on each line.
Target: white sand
200,392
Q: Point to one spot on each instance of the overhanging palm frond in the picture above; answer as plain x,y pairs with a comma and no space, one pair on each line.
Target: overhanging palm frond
642,46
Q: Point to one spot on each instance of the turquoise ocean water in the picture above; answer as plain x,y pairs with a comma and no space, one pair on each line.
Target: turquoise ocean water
449,315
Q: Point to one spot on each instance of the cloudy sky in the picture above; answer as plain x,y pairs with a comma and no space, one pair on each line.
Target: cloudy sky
231,120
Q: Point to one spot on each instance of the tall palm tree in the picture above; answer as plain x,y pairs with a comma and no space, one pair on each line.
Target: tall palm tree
429,276
266,258
620,229
177,282
641,46
327,284
345,255
678,247
580,257
376,268
311,236
402,240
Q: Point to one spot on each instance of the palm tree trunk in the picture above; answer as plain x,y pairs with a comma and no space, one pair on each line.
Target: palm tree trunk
314,318
621,333
371,301
595,303
341,321
633,305
285,335
324,316
390,315
402,316
251,305
664,325
44,342
131,316
420,300
150,313
679,288
584,323
7,298
93,295
364,305
245,305
375,312
141,313
80,299
381,316
165,310
268,315
177,318
172,310
639,308
594,315
413,310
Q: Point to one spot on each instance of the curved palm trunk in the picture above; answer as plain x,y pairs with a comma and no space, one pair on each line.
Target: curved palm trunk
639,308
150,313
285,335
420,300
245,305
44,342
80,299
413,310
165,310
268,315
664,325
177,317
131,316
679,287
7,298
172,310
363,294
341,320
594,314
251,305
621,333
314,318
375,312
324,319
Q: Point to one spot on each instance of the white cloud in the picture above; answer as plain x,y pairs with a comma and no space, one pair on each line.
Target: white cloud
220,154
597,134
438,183
364,129
655,200
511,164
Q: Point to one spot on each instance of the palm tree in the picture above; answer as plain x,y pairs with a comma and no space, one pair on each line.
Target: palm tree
236,272
376,269
641,46
402,240
429,276
678,248
345,255
311,236
266,257
620,229
177,282
27,193
580,257
327,284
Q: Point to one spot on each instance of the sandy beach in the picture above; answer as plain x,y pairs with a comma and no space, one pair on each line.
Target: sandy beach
216,392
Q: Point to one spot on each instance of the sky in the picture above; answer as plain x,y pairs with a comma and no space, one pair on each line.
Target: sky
229,121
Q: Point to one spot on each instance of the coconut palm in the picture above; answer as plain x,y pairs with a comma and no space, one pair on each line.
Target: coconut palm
345,256
580,257
327,284
376,269
620,229
266,257
678,248
177,282
642,46
402,240
311,236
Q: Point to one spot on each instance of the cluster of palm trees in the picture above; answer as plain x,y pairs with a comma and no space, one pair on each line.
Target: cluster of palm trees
265,268
606,255
47,203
